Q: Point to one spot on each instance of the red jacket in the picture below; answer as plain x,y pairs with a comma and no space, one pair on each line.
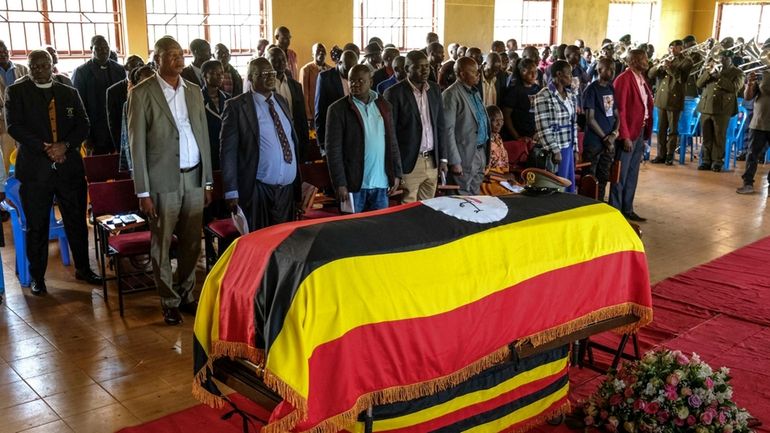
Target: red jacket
628,99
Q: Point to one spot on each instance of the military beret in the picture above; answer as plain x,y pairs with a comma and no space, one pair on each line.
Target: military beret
688,38
372,49
539,180
676,43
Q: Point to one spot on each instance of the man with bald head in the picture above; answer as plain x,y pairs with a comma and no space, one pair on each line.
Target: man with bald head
386,71
49,122
169,139
361,146
92,79
420,133
201,51
467,128
260,170
332,85
308,77
291,91
283,40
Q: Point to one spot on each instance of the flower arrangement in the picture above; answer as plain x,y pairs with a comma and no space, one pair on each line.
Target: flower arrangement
666,392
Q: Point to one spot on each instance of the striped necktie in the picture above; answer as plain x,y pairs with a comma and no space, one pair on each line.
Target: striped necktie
285,147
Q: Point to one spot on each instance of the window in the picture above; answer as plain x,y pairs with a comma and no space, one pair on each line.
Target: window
748,21
403,23
638,18
239,24
530,22
67,25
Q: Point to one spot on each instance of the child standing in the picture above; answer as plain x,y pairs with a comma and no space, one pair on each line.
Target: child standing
602,124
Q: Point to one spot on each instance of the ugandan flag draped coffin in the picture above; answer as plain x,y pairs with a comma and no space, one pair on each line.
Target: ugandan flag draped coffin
510,396
403,303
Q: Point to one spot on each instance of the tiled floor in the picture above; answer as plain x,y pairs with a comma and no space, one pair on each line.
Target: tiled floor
69,362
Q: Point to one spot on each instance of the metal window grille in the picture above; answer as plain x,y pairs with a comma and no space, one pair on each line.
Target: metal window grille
67,25
639,18
236,23
400,22
746,20
530,22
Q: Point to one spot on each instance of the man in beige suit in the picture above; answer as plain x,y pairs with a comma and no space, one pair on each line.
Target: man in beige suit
168,135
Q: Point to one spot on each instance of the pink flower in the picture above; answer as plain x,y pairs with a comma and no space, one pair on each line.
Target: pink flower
663,417
639,405
672,379
603,414
679,422
681,359
722,417
616,399
707,417
652,408
709,383
629,392
690,420
611,428
589,420
671,392
686,392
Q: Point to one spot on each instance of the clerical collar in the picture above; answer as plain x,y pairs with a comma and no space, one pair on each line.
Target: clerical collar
45,85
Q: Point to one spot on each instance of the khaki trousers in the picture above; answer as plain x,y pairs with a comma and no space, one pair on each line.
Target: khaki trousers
181,213
421,183
714,131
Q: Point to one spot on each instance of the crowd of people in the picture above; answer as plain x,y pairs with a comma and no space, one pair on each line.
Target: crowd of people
383,120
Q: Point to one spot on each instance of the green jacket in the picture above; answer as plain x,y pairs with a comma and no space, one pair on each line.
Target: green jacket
672,81
690,89
720,93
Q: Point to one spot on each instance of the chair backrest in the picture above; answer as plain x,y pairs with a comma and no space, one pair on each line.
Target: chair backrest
101,168
308,196
518,151
110,198
12,195
688,121
589,187
316,174
655,120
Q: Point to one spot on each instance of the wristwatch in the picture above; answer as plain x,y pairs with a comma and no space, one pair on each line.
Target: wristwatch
209,187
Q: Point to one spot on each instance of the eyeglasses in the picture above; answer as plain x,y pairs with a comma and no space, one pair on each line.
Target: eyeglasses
268,74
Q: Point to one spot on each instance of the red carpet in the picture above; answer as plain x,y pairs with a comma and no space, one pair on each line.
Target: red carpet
720,310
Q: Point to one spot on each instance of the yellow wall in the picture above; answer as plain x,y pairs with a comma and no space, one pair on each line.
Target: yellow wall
135,27
675,22
311,21
703,14
584,19
469,22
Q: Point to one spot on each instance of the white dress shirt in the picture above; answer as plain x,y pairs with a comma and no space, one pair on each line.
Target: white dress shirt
189,155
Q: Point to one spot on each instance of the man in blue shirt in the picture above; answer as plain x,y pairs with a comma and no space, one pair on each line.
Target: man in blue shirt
399,74
361,145
259,151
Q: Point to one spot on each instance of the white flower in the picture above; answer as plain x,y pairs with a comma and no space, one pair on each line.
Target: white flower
618,384
649,389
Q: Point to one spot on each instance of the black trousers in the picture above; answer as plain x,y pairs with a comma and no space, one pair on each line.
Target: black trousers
601,163
270,205
37,199
759,143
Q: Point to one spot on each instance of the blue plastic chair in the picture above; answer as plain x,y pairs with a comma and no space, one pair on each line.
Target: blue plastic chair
688,127
655,120
12,205
735,135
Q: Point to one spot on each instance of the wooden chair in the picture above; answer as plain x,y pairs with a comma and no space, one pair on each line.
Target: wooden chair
222,230
588,186
115,198
317,174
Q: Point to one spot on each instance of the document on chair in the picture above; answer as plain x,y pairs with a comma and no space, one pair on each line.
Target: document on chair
347,206
239,220
512,188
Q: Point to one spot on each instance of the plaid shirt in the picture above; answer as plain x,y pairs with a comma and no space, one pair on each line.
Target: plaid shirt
555,125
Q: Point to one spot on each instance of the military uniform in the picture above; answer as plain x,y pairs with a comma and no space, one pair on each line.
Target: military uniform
717,104
669,99
690,88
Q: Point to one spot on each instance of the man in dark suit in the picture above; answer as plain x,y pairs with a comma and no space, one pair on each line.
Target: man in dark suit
201,51
387,71
291,90
361,145
92,80
117,95
260,171
48,121
332,85
418,118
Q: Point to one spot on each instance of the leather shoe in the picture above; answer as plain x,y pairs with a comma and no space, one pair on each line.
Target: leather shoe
704,167
189,308
658,160
171,316
88,276
716,168
38,287
633,216
670,161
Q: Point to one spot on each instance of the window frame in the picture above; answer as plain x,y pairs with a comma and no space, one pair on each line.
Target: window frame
717,30
654,7
359,29
553,27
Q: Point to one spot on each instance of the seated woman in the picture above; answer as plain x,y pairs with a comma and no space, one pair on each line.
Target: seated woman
497,170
